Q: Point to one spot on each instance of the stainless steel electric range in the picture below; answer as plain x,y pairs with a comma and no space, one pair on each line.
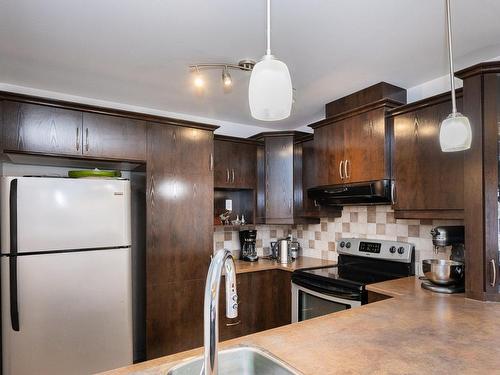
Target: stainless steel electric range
321,291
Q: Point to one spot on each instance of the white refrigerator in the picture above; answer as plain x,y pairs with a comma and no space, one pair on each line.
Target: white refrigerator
66,288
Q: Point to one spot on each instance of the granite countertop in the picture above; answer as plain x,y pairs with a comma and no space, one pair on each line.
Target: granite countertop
267,264
415,332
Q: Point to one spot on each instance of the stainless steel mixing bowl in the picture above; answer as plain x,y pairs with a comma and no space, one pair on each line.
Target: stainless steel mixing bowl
443,272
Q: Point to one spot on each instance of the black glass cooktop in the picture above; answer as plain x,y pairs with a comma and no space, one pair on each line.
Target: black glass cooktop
354,273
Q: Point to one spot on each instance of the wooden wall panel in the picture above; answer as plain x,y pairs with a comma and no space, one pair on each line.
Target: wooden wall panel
179,235
473,192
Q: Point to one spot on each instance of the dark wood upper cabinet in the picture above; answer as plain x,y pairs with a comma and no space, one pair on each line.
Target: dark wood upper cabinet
235,163
280,194
308,166
428,183
353,148
353,143
366,147
328,147
279,178
41,129
113,137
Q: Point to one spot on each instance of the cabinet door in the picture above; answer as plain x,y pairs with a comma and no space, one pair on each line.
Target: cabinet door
426,178
257,308
244,166
279,178
366,147
113,137
282,297
329,153
308,178
41,129
223,153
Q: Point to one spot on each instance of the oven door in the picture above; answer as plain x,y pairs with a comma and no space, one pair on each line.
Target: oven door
308,304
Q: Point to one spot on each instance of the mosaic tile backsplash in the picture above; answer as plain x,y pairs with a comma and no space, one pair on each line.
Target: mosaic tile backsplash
318,240
227,239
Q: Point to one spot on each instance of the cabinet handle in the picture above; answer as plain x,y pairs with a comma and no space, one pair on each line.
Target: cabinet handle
77,139
347,176
233,324
232,174
393,192
340,170
493,272
211,167
227,175
86,139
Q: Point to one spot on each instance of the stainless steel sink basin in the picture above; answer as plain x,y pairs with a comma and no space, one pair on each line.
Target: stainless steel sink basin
242,360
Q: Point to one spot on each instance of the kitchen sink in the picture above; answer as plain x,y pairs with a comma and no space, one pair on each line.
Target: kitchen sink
242,360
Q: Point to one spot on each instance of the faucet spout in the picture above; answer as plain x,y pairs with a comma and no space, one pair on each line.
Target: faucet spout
223,260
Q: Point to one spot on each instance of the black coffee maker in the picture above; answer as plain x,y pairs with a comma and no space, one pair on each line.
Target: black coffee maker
248,251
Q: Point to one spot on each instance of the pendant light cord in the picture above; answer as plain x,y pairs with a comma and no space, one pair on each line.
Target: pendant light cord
268,51
450,56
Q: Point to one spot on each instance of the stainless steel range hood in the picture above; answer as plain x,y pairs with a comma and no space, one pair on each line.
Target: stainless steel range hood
366,193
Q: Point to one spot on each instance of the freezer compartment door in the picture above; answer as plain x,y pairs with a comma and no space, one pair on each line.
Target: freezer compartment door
62,213
75,313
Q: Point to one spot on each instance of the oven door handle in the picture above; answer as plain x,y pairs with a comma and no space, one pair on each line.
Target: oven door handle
331,291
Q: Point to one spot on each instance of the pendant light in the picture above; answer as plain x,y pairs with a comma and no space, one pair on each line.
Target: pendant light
270,89
455,133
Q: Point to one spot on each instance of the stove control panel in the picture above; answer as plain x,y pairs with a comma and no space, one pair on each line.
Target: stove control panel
379,249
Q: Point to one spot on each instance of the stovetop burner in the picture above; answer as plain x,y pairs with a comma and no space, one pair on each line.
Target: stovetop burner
352,274
360,262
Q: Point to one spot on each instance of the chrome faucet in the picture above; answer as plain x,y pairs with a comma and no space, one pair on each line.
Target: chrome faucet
222,260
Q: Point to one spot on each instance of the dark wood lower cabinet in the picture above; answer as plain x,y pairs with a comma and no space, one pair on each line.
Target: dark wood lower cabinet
282,298
174,317
264,303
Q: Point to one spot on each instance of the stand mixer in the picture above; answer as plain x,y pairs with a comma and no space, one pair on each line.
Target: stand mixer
446,276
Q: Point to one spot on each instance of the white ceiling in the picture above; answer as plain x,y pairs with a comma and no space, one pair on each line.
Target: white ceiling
137,51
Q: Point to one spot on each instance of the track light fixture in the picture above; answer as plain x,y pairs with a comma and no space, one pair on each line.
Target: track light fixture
198,80
227,80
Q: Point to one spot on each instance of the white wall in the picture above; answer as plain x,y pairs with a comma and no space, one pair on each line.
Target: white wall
415,93
225,127
434,87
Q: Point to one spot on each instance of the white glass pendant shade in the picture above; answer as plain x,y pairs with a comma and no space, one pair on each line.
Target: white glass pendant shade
270,92
455,133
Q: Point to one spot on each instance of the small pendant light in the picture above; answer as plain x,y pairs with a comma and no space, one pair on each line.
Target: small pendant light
455,133
270,89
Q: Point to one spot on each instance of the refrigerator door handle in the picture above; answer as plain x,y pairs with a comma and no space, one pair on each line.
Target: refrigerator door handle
14,310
